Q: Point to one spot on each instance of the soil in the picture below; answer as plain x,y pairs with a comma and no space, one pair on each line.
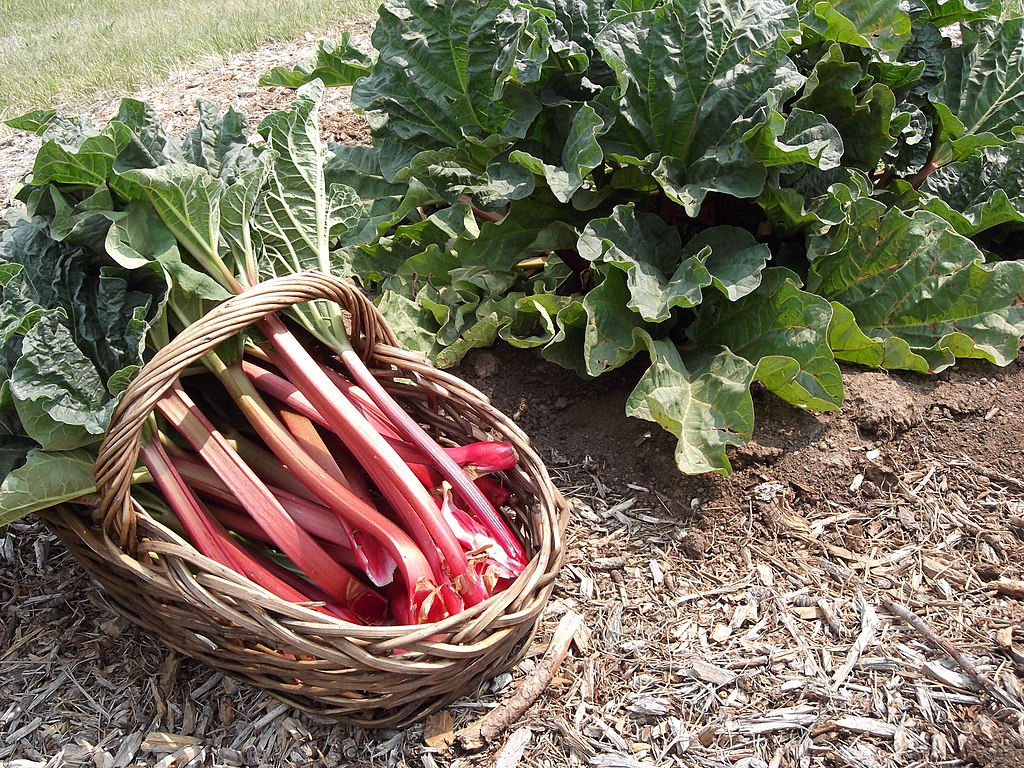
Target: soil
729,621
975,410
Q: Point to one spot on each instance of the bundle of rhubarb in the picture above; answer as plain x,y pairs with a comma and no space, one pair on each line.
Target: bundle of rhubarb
369,492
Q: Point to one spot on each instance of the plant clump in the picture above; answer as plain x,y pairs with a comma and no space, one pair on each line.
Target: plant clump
745,193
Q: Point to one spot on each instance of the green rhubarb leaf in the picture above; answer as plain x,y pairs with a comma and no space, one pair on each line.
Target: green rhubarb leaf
299,216
84,222
531,227
340,64
784,332
800,137
140,239
915,278
237,212
944,13
851,344
689,73
582,154
358,167
45,479
219,142
981,192
703,399
531,318
981,96
861,115
879,25
149,146
61,399
448,69
36,121
187,199
14,448
89,164
614,333
735,260
566,347
414,326
659,275
106,308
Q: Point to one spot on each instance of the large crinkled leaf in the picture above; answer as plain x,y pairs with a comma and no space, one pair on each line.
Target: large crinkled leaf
981,96
851,344
46,478
981,192
812,210
413,325
340,64
861,115
140,238
687,69
482,169
149,146
106,308
734,259
946,12
688,72
448,69
73,326
915,278
783,331
614,332
187,199
660,275
83,222
799,137
703,399
529,228
219,142
881,25
89,164
574,25
61,398
299,215
581,154
237,206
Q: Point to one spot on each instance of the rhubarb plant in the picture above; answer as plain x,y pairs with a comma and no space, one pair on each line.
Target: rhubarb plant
286,460
744,193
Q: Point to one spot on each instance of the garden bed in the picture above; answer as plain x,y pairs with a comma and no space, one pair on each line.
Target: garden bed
746,621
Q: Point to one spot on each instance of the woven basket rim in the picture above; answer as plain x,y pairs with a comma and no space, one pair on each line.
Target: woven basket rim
118,514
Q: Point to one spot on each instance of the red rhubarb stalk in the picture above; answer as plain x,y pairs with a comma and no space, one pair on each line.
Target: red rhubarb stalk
259,502
406,495
212,539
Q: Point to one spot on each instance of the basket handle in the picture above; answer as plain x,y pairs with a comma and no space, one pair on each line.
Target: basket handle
119,451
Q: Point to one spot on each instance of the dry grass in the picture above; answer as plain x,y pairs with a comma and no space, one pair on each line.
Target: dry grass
54,53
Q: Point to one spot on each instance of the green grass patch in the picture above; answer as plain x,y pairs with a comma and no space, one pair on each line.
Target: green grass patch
54,52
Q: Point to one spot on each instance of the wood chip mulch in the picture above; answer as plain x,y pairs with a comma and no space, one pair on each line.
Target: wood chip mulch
781,629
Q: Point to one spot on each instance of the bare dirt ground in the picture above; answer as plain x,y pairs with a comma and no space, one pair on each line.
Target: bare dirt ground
852,596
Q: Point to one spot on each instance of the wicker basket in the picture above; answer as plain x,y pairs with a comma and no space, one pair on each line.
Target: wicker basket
370,676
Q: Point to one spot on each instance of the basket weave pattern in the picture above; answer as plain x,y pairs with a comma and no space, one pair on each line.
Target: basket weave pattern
370,676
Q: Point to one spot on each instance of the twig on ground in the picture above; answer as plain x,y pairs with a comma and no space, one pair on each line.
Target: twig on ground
952,651
990,473
477,735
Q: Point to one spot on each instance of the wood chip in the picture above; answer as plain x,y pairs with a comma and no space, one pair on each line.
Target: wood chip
868,725
510,755
1009,588
160,742
709,673
439,730
1004,638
